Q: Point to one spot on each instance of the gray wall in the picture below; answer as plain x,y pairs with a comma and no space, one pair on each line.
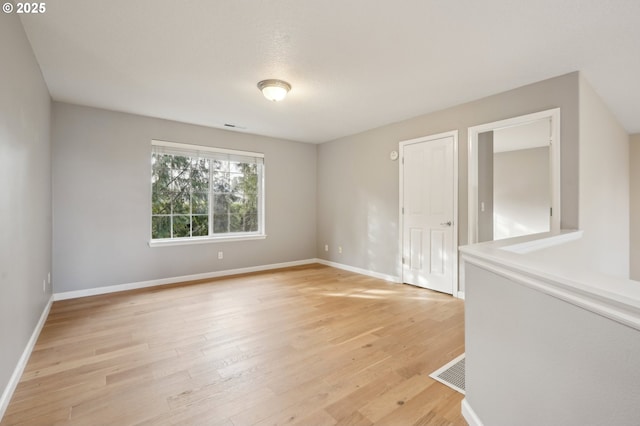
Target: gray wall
25,204
358,184
522,192
532,359
101,203
485,186
604,186
634,169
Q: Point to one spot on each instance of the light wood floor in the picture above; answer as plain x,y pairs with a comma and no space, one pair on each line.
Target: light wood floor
309,345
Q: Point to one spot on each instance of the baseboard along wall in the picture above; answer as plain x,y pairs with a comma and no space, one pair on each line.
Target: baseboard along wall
361,271
173,280
22,362
469,415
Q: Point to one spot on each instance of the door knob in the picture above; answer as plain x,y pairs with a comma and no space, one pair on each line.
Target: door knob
449,223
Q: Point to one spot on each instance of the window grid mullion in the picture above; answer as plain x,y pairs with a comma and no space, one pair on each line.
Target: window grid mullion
171,205
211,197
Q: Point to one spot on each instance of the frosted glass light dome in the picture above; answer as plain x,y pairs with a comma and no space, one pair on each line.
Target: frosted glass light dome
274,90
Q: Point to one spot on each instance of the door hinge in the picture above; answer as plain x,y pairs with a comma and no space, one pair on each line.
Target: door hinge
403,210
550,211
403,260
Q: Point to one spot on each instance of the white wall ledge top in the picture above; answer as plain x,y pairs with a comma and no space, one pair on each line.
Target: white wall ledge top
517,259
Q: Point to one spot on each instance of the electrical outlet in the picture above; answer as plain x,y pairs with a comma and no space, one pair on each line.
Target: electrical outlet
326,247
220,255
339,249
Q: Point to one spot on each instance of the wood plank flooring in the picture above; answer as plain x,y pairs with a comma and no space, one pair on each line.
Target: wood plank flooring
309,345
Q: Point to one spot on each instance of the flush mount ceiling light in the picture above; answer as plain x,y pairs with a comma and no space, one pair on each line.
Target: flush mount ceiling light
274,90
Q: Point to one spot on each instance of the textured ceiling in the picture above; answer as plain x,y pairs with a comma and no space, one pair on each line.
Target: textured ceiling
353,64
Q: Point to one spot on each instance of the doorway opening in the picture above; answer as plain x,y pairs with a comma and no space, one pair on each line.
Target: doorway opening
514,177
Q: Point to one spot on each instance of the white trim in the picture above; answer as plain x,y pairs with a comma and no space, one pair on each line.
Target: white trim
164,281
392,278
461,282
456,217
164,242
445,367
177,145
173,280
22,362
473,132
469,415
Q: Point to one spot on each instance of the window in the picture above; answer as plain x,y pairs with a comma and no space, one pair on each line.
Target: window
201,194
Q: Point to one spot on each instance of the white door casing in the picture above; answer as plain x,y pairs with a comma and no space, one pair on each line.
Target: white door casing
472,174
428,212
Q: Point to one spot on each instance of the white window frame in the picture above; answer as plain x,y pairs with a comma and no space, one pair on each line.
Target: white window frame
207,151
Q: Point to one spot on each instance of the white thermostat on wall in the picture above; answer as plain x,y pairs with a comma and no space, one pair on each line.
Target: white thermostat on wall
393,155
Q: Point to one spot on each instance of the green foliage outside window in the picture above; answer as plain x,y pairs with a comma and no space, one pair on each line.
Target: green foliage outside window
195,197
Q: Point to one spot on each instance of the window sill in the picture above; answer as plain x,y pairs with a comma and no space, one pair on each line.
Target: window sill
204,240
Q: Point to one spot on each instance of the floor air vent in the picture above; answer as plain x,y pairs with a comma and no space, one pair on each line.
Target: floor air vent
451,374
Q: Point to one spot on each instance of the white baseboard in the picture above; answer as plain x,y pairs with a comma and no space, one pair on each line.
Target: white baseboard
173,280
22,362
164,281
385,277
469,415
391,278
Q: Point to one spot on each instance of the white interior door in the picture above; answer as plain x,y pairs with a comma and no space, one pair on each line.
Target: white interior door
428,204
